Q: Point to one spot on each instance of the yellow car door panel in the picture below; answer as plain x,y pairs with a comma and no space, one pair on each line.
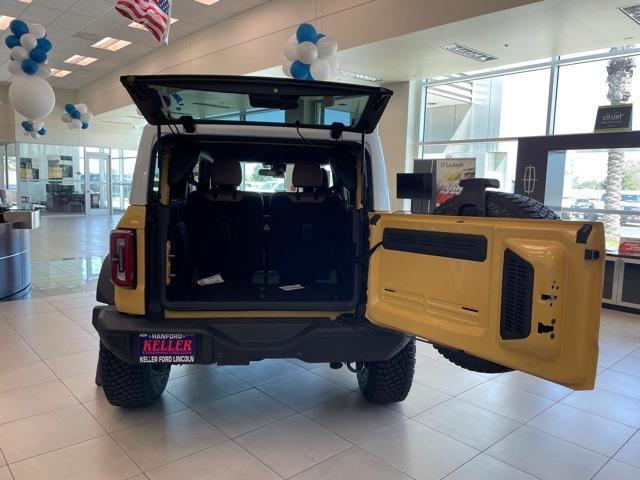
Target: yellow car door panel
521,293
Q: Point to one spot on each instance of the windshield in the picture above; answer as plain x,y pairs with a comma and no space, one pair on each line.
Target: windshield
258,108
256,179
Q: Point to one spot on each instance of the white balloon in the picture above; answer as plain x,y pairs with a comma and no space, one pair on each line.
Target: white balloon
290,51
19,53
320,69
15,68
286,68
35,135
307,52
86,117
37,30
334,61
28,41
76,123
32,96
44,71
326,47
38,124
81,107
66,118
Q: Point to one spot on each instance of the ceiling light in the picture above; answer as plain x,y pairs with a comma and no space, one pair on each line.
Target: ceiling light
59,73
5,21
207,2
476,55
80,60
358,76
139,26
25,1
111,44
633,12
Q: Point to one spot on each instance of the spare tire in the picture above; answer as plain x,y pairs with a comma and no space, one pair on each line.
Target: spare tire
498,204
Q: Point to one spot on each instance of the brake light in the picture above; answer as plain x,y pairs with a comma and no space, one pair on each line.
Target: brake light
123,258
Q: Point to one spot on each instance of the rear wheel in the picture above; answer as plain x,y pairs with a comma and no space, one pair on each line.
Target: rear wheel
498,204
390,380
128,385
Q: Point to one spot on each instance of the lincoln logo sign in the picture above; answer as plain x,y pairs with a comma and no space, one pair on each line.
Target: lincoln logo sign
529,180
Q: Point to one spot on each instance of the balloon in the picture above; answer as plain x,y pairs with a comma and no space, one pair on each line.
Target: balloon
320,69
66,118
82,108
75,114
12,41
42,131
15,68
76,123
299,70
69,107
306,33
326,47
18,27
38,124
29,66
334,61
35,135
32,97
44,71
19,53
85,125
286,68
38,55
28,41
27,126
37,30
307,52
44,44
26,134
320,35
290,51
86,117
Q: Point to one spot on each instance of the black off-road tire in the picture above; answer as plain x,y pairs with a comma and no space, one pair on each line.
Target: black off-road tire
131,386
498,204
389,381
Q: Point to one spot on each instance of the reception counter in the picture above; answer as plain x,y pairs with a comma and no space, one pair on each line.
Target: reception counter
15,262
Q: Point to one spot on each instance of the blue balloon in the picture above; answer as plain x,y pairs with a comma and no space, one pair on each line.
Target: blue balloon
299,70
18,27
12,41
29,66
76,114
306,33
320,35
44,44
85,125
42,131
38,55
69,107
27,126
309,77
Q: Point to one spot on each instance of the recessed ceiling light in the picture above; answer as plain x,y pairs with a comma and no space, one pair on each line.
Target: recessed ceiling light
207,2
358,76
25,1
5,21
111,44
471,53
59,73
80,60
139,26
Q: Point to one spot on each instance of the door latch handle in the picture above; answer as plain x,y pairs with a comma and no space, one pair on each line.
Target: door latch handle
542,328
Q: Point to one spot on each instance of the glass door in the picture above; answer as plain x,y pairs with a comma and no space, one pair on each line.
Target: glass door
97,181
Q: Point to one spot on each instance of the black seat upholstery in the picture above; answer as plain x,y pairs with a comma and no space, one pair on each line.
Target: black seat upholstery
226,225
306,228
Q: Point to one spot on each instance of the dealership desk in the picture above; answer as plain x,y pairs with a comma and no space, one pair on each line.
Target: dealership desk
15,262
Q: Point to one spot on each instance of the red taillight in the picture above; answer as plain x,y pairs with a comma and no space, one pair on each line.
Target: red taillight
123,258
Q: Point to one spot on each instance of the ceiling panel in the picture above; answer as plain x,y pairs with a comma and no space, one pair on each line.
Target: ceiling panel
65,19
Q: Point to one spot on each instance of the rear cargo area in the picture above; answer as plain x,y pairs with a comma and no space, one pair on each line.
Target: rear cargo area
261,224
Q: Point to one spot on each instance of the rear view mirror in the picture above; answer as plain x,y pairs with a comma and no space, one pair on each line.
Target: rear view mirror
414,186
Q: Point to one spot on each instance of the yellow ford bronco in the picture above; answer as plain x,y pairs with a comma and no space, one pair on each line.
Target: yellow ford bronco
260,228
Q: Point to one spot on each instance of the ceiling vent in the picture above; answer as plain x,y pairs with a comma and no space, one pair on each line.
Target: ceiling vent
633,12
471,53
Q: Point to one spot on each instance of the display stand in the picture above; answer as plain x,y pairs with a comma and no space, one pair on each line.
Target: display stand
15,261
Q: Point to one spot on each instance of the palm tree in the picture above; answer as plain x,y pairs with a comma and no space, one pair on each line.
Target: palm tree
619,78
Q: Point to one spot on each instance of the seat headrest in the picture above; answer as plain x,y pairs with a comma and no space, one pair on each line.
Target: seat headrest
226,172
307,174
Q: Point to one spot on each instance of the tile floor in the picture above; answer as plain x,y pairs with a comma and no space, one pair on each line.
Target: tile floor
287,419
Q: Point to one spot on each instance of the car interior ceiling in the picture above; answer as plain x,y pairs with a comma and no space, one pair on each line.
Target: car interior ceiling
295,245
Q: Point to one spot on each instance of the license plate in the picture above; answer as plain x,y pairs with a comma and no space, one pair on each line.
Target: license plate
166,348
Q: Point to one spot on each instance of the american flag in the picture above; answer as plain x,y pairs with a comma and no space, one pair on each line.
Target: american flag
155,15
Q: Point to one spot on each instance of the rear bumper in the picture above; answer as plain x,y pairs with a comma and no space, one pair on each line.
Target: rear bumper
237,341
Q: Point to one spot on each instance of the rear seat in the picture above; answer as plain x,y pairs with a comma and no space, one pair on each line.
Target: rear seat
226,226
306,228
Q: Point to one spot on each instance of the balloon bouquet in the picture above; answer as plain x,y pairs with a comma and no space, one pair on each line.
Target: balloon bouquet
29,93
310,55
77,116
